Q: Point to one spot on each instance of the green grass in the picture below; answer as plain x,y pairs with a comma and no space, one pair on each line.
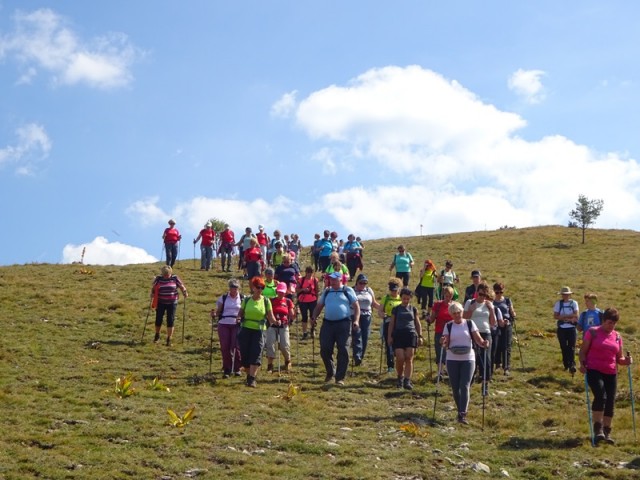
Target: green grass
71,330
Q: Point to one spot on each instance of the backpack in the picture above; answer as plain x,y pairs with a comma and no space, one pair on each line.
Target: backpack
224,299
468,326
327,290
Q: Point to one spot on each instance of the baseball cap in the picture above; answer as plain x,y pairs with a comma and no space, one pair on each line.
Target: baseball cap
282,287
335,275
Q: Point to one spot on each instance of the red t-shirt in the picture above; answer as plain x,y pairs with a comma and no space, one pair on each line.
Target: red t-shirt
171,235
227,236
207,235
280,307
442,315
253,254
262,238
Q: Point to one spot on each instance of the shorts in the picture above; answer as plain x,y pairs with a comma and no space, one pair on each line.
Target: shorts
404,339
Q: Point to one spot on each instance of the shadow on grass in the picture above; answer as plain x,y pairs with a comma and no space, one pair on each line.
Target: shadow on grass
520,443
558,245
544,381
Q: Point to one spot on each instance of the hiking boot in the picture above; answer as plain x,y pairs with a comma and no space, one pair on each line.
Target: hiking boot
156,337
399,382
251,381
357,362
407,384
507,372
225,375
598,434
462,418
390,369
305,335
607,436
270,368
572,369
328,378
168,341
287,365
340,383
237,374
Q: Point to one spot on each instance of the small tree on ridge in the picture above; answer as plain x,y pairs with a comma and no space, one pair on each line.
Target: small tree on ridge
586,212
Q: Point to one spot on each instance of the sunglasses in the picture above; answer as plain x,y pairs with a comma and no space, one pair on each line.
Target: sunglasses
481,294
362,283
260,288
497,291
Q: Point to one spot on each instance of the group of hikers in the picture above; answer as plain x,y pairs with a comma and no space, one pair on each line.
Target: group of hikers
472,338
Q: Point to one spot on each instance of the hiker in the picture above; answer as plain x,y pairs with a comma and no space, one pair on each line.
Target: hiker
336,266
270,283
387,303
439,317
325,249
480,310
592,316
367,301
566,312
448,278
206,246
253,259
426,286
339,303
226,312
458,338
254,315
272,245
315,251
288,273
402,262
227,242
278,333
600,354
504,306
307,293
278,254
353,254
404,334
165,290
243,245
471,291
263,241
171,236
294,244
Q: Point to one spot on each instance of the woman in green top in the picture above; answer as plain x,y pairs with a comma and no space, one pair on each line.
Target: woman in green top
402,262
426,286
253,317
387,303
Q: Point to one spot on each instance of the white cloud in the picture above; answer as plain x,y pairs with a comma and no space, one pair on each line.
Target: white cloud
285,105
102,252
32,145
528,85
192,215
43,40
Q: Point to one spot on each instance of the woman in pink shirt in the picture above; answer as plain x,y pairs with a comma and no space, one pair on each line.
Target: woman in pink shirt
600,355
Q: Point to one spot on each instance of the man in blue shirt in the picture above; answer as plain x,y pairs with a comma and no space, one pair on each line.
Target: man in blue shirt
339,303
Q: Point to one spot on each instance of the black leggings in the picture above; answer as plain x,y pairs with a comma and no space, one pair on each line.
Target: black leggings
604,388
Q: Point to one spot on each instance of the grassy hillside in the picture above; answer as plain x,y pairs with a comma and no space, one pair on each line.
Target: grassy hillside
71,330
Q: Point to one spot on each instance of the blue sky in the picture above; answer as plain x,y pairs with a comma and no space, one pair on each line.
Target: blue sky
368,117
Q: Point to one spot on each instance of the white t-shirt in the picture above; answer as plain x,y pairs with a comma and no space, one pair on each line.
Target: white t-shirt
230,309
460,337
480,316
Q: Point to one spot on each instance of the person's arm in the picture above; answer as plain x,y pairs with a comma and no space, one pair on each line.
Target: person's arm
492,313
469,308
432,317
392,324
393,263
292,312
416,321
217,313
317,310
410,260
584,349
479,340
195,240
374,303
271,319
356,314
182,287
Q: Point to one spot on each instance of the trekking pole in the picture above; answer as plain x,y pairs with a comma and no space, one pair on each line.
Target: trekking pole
211,346
278,353
194,255
297,336
429,349
586,389
484,386
435,400
633,403
515,330
184,316
313,350
145,320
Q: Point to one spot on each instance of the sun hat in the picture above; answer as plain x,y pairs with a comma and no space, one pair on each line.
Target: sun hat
282,287
260,227
292,254
207,225
565,291
335,275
